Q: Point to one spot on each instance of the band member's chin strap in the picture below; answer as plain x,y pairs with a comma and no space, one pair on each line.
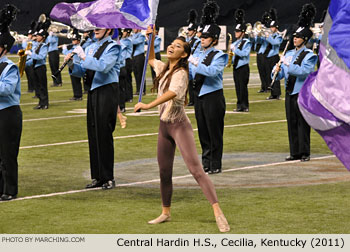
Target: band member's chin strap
104,35
211,43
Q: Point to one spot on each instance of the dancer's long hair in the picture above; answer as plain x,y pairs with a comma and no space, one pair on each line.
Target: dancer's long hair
181,64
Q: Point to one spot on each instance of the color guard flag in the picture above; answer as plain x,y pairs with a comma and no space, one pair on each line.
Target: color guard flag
137,14
324,99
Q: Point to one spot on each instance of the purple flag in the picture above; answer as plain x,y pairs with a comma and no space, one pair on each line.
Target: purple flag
136,14
324,99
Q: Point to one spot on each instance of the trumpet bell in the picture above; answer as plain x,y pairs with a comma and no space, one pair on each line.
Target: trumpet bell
182,32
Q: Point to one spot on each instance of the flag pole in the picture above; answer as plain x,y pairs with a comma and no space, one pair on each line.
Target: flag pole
145,67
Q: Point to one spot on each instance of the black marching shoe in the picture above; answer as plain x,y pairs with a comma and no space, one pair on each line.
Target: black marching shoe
6,197
261,91
94,183
110,184
37,107
206,169
215,171
305,158
273,97
292,158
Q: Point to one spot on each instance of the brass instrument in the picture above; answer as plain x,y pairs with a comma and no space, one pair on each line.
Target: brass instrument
182,32
230,53
23,58
19,38
249,30
59,29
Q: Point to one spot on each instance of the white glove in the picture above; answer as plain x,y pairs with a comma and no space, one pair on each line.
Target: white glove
64,47
286,60
50,33
80,52
28,52
193,60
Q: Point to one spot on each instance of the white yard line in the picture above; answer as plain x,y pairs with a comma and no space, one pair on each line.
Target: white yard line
52,118
157,180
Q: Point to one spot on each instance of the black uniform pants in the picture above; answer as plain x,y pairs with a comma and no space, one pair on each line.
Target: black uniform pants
102,106
10,136
40,75
138,63
54,60
276,86
241,78
76,85
265,75
260,59
210,113
30,77
128,88
298,129
122,87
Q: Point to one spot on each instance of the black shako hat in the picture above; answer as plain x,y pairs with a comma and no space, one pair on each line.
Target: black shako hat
273,16
239,18
75,35
192,19
306,18
210,13
7,15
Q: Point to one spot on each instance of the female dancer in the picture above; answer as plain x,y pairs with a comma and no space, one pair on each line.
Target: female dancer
175,127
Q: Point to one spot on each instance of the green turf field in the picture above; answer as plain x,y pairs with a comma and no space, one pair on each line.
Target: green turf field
54,158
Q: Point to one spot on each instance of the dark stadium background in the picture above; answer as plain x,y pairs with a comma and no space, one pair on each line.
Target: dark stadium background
173,13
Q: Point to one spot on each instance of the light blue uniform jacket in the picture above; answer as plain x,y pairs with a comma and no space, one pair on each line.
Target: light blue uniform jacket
213,72
10,85
301,72
106,68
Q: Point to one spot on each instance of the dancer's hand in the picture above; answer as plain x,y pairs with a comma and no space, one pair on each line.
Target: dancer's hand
151,29
141,106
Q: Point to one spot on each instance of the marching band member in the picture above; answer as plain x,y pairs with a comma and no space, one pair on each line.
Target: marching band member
38,61
100,61
175,127
76,81
261,60
297,65
274,41
54,58
194,42
138,58
240,62
207,69
10,111
127,42
29,69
